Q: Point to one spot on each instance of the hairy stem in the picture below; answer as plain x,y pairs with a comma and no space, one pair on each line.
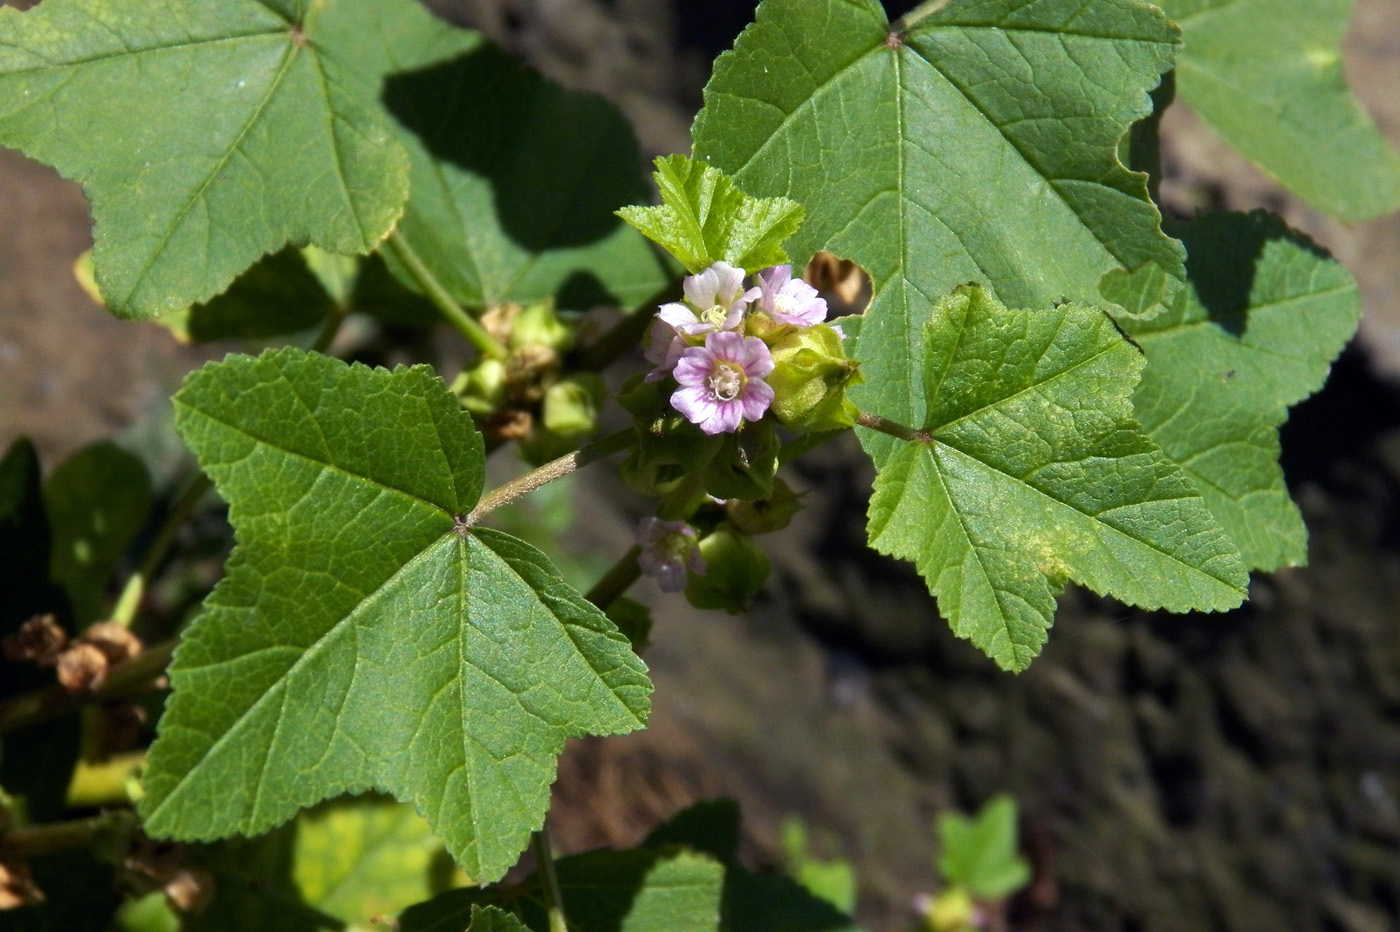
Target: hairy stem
907,21
554,469
453,312
549,882
875,422
52,701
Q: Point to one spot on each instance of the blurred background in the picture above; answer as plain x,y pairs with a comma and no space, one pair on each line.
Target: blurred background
1234,772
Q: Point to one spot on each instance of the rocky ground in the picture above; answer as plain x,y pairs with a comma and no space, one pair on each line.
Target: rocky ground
1234,772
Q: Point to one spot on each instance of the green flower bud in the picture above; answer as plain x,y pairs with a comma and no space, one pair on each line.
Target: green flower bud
538,325
809,380
735,569
571,405
669,448
745,465
768,514
482,388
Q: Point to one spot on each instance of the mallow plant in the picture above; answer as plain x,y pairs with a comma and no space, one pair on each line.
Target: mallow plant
1055,382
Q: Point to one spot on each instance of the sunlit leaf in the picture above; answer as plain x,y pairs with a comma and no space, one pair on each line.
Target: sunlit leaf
1266,314
366,635
1028,471
241,128
1268,76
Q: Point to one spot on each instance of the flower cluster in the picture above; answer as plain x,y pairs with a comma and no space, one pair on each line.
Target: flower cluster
717,344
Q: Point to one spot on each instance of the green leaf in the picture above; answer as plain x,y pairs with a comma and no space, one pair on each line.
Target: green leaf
980,145
278,294
980,853
829,879
513,179
368,857
1030,471
242,126
343,865
1266,314
367,636
1268,76
704,218
97,501
24,547
639,890
491,919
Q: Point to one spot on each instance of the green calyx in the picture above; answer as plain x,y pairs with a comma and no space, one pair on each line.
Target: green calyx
809,379
735,569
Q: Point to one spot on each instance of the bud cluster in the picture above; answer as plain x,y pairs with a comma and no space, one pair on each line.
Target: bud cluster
526,397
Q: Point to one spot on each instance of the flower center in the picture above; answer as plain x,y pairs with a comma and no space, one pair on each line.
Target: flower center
715,316
726,382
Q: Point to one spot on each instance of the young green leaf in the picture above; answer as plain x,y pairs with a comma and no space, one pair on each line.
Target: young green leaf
97,500
980,144
513,179
366,635
980,853
704,218
1029,471
1267,75
241,128
1257,331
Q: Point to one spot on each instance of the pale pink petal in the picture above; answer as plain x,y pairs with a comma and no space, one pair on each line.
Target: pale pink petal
756,399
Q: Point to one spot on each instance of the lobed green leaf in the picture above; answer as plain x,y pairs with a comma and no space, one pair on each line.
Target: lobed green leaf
1267,75
241,127
1029,471
513,179
979,144
367,636
1266,314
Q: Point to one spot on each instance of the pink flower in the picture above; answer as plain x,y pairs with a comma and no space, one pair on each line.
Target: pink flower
668,550
789,300
717,301
722,382
664,347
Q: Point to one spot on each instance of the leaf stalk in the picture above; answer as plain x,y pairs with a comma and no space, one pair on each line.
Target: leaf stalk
124,613
549,881
616,581
554,469
453,312
885,426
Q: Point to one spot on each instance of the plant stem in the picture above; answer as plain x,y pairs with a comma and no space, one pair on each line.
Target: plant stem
135,589
549,882
554,469
875,422
455,315
37,840
906,22
52,701
616,581
326,337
